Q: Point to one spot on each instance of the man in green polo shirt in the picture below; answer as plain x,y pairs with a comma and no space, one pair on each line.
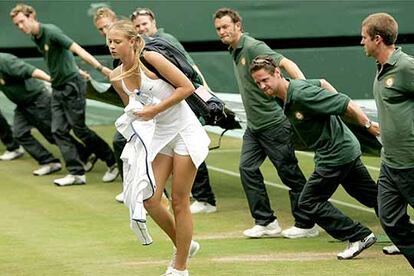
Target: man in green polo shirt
68,96
268,133
394,96
19,81
314,112
145,24
13,149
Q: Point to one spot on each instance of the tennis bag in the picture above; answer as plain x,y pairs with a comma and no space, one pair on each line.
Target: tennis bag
203,103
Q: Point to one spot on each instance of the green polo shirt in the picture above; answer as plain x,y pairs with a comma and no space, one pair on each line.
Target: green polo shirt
16,80
54,46
394,95
314,115
262,111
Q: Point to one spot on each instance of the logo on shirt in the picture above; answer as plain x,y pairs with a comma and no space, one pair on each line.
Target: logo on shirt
389,81
299,116
2,82
46,47
243,61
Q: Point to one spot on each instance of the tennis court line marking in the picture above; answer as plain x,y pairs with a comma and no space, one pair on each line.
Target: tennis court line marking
310,154
280,186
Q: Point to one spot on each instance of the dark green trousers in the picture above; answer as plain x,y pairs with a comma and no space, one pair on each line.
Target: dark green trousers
68,113
6,135
321,185
396,192
273,142
36,114
201,189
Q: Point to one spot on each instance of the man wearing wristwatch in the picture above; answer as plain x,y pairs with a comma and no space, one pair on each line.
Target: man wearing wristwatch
313,108
68,95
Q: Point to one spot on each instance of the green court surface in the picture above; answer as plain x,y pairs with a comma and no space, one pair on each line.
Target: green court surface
81,230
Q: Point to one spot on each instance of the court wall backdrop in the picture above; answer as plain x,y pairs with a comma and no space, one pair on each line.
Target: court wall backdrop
322,37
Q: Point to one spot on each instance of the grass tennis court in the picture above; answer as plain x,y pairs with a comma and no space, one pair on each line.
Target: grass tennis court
81,230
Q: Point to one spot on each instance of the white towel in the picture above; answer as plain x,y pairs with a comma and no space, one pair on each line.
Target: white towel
139,181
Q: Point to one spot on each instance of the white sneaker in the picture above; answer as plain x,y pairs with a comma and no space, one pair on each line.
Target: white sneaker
70,179
175,272
48,169
354,248
111,174
120,197
90,162
194,248
202,207
258,231
296,232
11,155
391,250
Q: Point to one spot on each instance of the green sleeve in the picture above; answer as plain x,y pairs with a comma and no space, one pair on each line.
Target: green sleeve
60,38
408,79
320,101
316,82
262,49
18,68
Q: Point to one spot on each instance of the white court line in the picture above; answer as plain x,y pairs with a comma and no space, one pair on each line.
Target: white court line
312,154
280,186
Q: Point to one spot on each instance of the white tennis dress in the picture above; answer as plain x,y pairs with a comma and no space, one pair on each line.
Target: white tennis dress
146,139
176,120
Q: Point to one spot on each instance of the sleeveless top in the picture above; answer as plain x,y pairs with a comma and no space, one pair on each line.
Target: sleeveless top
176,120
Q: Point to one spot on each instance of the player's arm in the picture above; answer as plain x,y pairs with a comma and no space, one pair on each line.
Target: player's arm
291,68
85,56
354,112
118,87
327,86
41,75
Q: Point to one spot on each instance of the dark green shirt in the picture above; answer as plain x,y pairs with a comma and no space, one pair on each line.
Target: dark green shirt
394,96
54,46
314,115
16,80
262,111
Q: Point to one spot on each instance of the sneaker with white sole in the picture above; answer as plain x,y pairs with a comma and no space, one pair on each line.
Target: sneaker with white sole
175,272
355,248
258,231
202,207
90,162
391,250
120,197
111,174
47,169
11,155
194,248
70,179
296,232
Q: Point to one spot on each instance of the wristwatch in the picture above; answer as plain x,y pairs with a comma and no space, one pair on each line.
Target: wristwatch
368,124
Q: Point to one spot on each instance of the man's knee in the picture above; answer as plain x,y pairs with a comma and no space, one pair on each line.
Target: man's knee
306,204
20,136
82,132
